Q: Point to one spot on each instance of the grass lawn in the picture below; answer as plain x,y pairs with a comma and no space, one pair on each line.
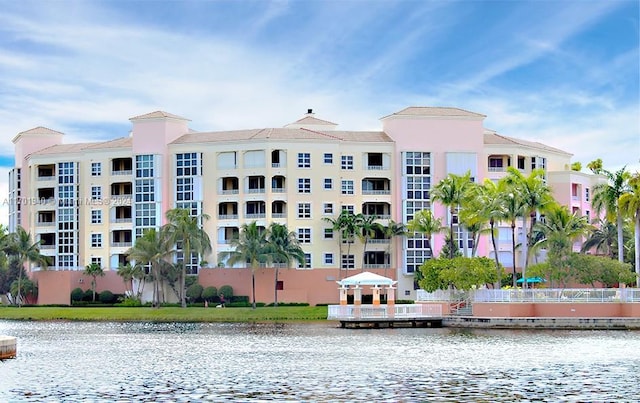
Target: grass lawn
166,314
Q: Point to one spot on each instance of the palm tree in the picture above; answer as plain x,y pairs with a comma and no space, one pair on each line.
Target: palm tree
24,250
473,216
602,236
491,199
425,223
513,209
534,194
367,227
284,247
451,192
629,205
560,229
183,228
250,247
153,248
94,270
346,225
607,195
391,230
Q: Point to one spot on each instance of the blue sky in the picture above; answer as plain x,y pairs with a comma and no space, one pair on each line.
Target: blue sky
565,73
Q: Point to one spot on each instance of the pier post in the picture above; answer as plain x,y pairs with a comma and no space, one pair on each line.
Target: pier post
8,347
391,302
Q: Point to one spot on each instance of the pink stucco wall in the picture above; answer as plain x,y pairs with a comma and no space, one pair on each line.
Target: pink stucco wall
559,310
54,287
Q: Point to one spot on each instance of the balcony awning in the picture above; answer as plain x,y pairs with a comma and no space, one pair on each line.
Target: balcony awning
366,278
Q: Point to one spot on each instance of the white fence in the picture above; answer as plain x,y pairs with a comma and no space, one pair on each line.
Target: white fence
536,295
403,311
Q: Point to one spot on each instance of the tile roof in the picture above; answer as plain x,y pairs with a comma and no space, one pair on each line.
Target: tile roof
491,137
310,120
157,115
435,111
40,130
123,142
282,134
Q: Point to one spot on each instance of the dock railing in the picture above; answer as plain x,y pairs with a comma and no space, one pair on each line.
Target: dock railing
367,311
554,295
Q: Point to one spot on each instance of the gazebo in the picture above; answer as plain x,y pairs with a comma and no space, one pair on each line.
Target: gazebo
375,281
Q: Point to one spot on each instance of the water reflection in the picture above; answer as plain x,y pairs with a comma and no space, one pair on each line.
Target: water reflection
313,361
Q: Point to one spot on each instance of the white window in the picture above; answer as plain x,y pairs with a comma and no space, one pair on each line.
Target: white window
304,210
96,260
96,240
349,208
96,169
347,162
304,160
347,187
328,233
328,158
328,183
96,216
307,262
586,194
328,259
348,262
304,185
304,235
96,192
327,208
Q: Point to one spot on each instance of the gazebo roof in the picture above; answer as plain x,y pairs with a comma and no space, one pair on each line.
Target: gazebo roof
366,278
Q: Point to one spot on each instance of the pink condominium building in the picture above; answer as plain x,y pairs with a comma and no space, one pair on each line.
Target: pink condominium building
89,202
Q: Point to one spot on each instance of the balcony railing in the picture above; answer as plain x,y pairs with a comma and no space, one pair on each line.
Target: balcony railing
367,311
45,178
376,167
278,190
259,190
121,244
253,216
497,169
376,192
229,191
45,224
122,172
278,215
378,241
376,266
227,216
47,247
547,295
121,220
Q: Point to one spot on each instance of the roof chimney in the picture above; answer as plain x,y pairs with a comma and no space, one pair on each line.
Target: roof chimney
309,111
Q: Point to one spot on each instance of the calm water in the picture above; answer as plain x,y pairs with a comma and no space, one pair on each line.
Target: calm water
106,362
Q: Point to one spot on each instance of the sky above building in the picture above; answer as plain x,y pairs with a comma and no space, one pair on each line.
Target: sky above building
565,73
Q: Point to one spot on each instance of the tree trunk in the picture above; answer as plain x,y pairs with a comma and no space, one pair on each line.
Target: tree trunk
637,249
513,253
620,239
253,289
495,254
275,289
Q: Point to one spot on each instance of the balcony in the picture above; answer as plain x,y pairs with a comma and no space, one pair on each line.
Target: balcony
125,220
229,192
254,216
121,244
227,216
123,172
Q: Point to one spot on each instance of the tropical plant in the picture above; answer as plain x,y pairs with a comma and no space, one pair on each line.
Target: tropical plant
346,226
606,197
184,229
367,227
492,207
463,273
94,270
426,224
284,247
513,209
153,248
249,248
602,236
451,192
24,250
534,194
390,231
629,204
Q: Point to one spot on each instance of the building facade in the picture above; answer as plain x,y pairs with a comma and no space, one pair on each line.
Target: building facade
87,203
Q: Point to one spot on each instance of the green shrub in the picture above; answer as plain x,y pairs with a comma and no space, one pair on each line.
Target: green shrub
239,298
88,295
289,304
227,291
190,280
194,292
107,297
77,294
210,294
130,302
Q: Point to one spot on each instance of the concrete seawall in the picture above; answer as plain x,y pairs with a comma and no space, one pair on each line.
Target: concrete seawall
8,347
542,323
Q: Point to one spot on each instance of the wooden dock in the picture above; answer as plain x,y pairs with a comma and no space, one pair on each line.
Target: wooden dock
390,323
8,347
